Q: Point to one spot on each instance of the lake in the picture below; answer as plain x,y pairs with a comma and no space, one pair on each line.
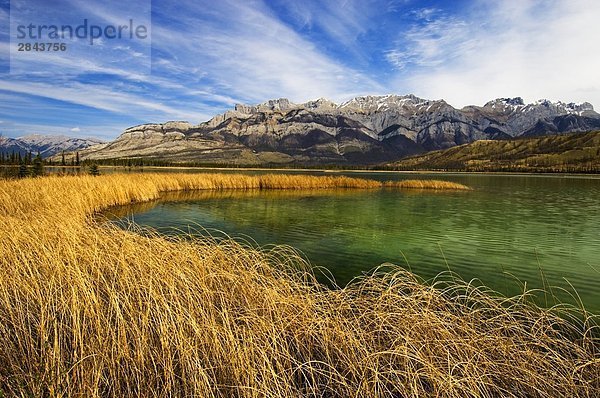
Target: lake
510,231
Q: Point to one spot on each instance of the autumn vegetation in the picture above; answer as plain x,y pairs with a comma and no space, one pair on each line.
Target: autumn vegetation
91,310
566,153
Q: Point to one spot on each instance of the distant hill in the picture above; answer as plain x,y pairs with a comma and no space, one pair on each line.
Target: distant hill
46,145
578,152
366,130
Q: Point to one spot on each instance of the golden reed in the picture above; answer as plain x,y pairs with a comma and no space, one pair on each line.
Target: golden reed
89,310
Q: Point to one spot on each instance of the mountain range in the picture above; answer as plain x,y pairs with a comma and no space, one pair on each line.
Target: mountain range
46,145
364,130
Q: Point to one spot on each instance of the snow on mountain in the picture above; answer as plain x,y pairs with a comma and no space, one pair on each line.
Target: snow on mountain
365,129
46,145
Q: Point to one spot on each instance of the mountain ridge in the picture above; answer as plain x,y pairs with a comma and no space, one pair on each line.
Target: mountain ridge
364,130
46,144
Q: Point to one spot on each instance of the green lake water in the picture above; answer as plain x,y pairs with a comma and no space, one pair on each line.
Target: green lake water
510,230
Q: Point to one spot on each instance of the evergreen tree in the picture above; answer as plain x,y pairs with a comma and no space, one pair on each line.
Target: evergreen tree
62,160
77,163
94,170
38,166
23,171
28,158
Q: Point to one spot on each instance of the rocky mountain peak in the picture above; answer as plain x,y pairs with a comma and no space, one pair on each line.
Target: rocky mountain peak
280,104
543,102
503,103
375,103
161,127
514,101
580,107
562,108
321,103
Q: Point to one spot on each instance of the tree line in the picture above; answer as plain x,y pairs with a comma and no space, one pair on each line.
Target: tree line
28,164
33,166
16,158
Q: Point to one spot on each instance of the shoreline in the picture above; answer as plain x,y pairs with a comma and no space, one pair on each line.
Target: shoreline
333,171
326,170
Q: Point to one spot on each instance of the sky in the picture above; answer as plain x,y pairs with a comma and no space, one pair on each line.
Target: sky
199,58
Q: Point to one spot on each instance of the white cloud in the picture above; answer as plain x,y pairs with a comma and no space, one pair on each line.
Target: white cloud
75,130
257,56
116,12
533,49
107,99
343,21
433,43
427,14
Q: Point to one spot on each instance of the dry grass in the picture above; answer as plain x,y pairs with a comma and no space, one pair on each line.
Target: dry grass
89,310
426,184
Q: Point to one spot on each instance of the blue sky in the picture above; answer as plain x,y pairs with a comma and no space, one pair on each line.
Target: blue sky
202,57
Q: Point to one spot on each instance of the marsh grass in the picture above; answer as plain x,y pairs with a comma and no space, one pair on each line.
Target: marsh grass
90,310
426,184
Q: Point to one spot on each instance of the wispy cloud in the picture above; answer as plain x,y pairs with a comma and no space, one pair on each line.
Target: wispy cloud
115,12
535,49
102,98
342,21
257,55
433,40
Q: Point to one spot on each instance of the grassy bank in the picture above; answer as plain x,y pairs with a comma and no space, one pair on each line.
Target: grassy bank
562,153
91,310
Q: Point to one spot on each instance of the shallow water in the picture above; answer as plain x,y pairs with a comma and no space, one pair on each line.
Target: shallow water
537,229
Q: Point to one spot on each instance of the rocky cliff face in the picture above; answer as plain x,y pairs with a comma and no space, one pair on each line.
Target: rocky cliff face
366,129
